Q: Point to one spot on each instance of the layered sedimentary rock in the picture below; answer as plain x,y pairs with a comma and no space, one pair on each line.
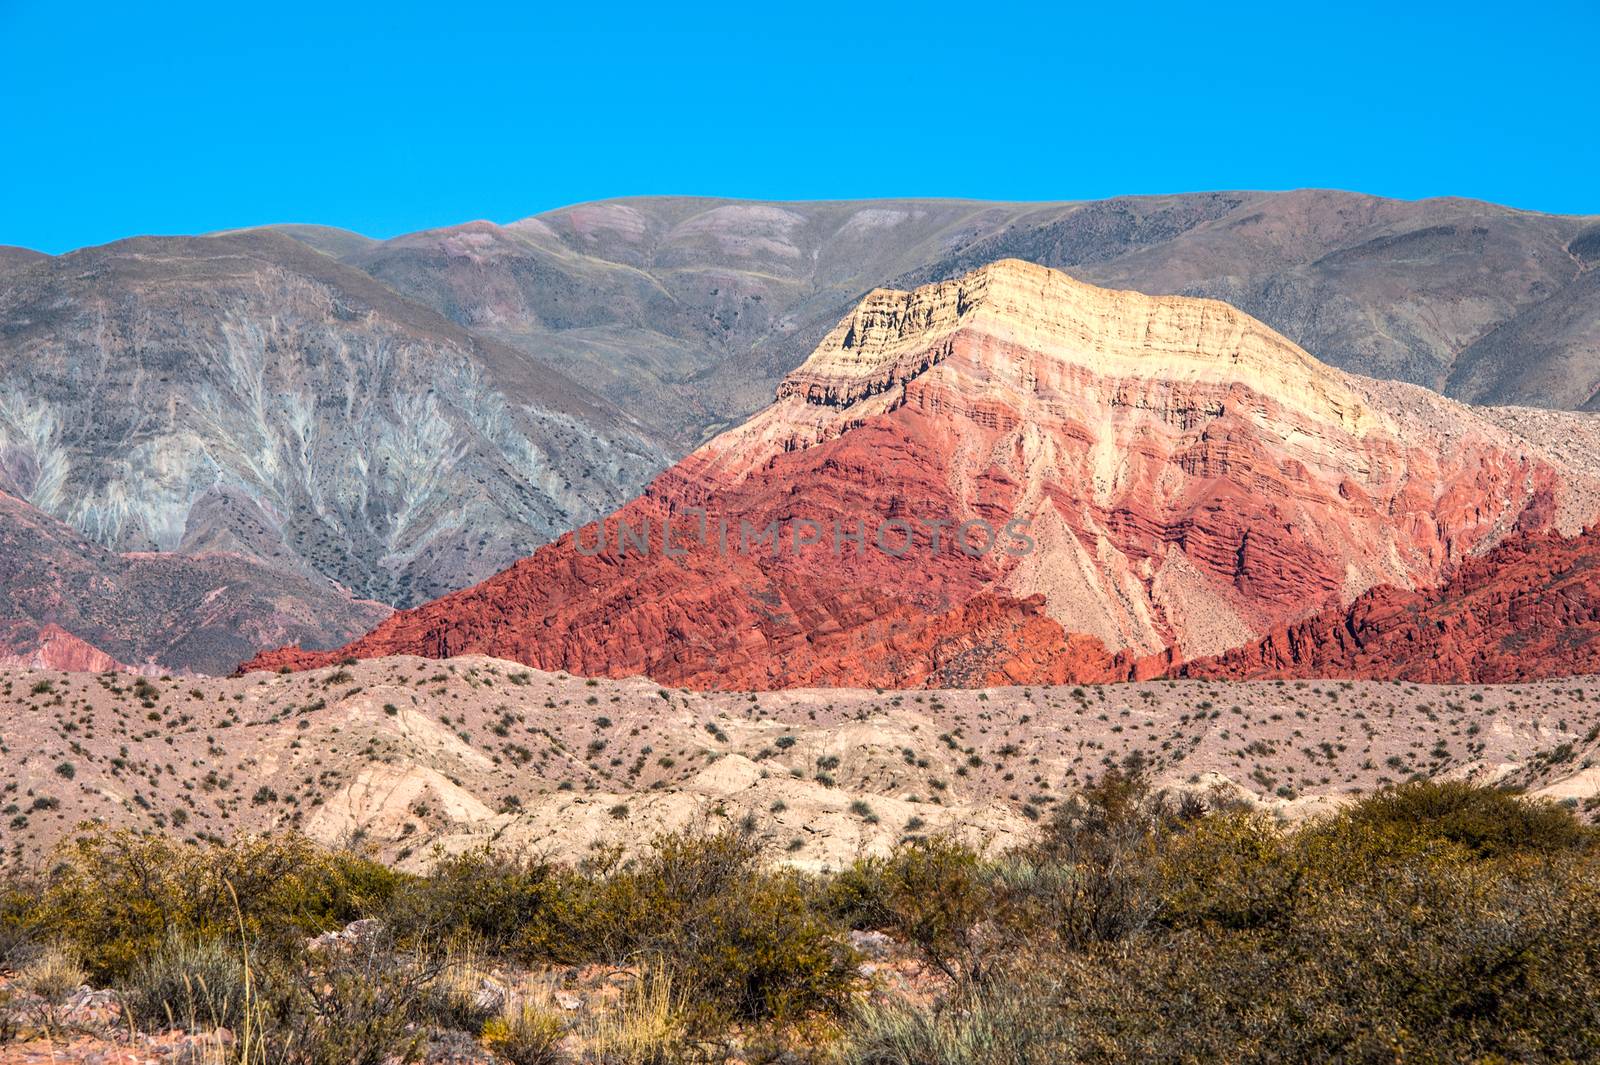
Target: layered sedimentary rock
1526,610
1084,480
56,648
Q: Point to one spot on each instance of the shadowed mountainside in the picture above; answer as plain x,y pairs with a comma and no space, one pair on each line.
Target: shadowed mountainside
66,598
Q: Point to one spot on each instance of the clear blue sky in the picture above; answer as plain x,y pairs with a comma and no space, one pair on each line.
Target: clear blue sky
124,119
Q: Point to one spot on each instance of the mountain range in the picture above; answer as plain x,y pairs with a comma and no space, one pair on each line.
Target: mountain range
1176,480
355,425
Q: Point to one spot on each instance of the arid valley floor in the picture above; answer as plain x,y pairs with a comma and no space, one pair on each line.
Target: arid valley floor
407,755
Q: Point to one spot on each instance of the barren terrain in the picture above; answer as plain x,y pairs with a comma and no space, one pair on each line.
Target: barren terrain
409,754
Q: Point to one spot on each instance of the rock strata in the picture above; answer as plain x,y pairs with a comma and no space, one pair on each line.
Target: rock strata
1185,478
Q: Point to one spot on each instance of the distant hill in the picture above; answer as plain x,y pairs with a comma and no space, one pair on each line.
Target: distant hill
687,311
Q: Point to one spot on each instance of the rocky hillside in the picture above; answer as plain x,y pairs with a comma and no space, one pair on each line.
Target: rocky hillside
1185,480
1529,608
68,603
244,393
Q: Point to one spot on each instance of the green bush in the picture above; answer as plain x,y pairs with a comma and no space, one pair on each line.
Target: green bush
1487,821
120,897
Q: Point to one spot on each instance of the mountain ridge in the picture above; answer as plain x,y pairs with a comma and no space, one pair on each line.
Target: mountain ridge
421,426
1192,477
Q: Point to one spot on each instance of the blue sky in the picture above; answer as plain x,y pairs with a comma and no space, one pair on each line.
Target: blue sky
384,118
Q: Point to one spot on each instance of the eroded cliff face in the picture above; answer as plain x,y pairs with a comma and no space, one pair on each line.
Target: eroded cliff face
1528,609
1190,477
56,648
1187,479
244,393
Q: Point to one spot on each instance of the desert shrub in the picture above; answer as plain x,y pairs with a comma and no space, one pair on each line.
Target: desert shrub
932,893
1094,874
1450,960
1006,1023
19,936
1361,938
1234,870
193,984
757,952
526,1033
353,1003
1115,809
52,973
525,908
1429,924
647,1026
1441,966
1486,821
486,898
460,995
118,897
742,940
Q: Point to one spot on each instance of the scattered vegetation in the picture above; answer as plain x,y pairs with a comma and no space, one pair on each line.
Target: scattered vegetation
1428,922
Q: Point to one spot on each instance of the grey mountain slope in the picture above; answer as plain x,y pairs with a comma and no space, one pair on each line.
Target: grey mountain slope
244,393
330,240
15,258
1547,355
687,311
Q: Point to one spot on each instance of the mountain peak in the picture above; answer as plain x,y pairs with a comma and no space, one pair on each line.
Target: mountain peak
1010,305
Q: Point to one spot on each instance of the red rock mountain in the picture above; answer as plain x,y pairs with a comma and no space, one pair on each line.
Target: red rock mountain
56,648
1528,609
1142,479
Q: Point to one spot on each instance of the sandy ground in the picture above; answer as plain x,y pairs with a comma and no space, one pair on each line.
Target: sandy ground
407,755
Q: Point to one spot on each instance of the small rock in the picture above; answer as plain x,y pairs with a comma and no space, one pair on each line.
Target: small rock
91,1010
873,945
490,996
355,934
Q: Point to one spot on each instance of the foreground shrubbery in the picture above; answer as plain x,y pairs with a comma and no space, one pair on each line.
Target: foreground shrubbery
1432,922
